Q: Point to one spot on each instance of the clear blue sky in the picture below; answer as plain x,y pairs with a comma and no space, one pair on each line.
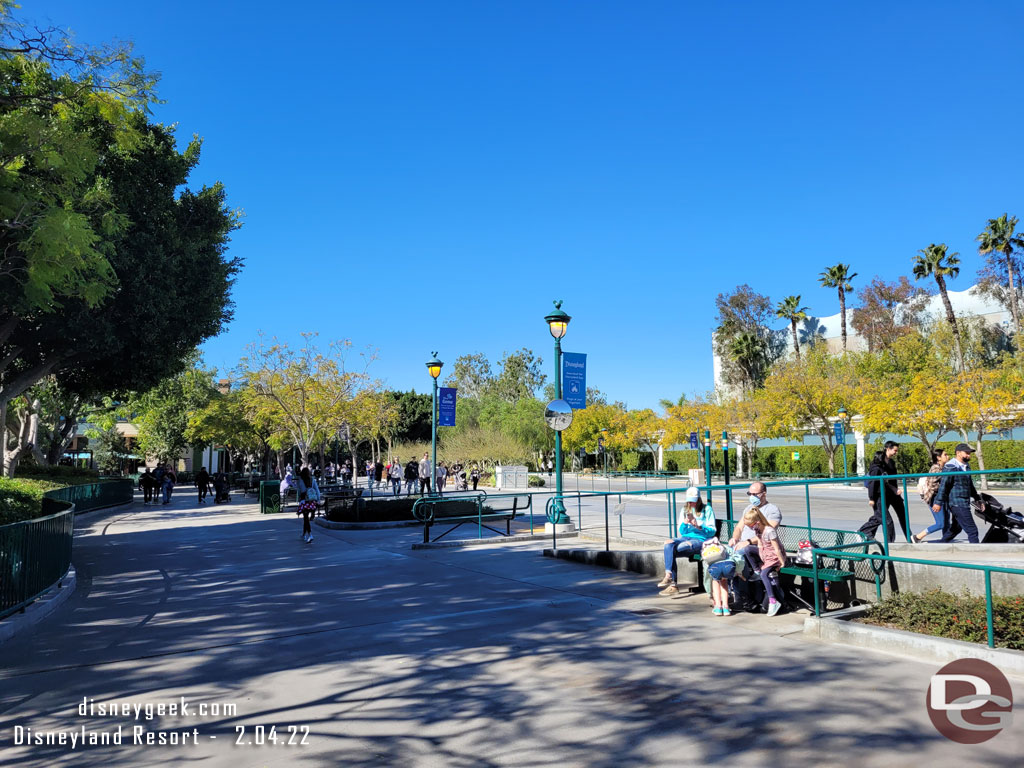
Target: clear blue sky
430,175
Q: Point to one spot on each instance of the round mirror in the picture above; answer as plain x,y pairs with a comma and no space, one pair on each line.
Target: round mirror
558,415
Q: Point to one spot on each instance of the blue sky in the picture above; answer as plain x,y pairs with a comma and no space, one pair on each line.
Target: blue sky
430,175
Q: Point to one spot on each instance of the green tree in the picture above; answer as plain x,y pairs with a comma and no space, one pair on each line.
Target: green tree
789,309
224,421
935,261
162,413
110,449
745,344
471,375
839,277
1000,242
520,376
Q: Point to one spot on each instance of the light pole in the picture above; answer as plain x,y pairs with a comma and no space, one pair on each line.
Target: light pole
434,369
842,417
558,323
603,448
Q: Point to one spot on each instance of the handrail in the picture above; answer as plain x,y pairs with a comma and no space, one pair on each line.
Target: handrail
34,555
885,558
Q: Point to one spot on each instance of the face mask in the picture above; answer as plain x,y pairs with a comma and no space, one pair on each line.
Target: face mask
754,500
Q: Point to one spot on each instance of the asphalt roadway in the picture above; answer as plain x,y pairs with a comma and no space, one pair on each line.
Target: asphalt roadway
477,656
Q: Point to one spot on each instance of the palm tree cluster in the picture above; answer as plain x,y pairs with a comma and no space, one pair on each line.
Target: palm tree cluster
999,242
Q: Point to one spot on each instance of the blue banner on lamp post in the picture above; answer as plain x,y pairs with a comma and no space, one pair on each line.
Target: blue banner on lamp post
574,379
838,426
446,407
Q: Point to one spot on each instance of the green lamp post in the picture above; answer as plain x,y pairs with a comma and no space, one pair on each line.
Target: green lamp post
842,417
434,369
558,323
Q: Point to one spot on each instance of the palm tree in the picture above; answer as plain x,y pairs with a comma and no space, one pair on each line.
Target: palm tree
748,352
839,277
934,261
999,237
789,309
665,403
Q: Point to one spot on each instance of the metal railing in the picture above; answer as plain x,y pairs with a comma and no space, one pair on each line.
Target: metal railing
423,509
90,496
35,555
988,570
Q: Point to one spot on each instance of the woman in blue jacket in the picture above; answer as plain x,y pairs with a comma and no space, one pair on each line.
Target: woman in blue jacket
696,526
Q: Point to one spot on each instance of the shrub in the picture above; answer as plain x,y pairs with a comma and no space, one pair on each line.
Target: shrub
959,617
536,482
21,499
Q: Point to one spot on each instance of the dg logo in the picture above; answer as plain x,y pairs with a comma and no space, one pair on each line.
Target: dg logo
970,701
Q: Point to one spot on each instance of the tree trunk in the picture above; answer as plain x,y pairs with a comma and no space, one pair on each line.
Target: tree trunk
981,463
951,319
1013,294
796,340
3,436
842,313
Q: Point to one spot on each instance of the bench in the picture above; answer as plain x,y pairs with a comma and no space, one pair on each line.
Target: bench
831,571
468,509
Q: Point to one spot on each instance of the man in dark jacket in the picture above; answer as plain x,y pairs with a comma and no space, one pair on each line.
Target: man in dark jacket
412,476
956,493
884,463
203,484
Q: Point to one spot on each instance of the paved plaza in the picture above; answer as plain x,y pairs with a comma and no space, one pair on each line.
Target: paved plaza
479,656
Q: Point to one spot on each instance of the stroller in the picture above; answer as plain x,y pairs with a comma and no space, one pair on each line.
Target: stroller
1005,525
221,494
460,481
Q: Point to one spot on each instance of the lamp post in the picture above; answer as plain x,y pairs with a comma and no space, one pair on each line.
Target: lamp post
558,323
434,369
842,417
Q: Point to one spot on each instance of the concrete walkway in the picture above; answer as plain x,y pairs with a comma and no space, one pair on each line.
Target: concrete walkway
482,656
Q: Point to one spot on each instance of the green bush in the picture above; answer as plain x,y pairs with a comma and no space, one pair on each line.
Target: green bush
61,474
959,617
536,482
21,499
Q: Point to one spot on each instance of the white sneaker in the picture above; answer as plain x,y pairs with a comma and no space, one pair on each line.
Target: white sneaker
773,608
310,537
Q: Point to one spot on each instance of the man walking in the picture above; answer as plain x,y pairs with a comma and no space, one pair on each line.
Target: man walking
412,474
147,482
955,493
425,471
203,484
884,463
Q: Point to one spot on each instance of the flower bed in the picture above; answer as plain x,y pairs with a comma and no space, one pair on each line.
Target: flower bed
958,617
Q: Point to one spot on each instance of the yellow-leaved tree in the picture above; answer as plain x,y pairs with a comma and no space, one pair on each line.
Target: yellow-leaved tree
806,396
302,396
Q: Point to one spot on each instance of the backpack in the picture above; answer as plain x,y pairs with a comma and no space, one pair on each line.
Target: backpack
804,555
922,486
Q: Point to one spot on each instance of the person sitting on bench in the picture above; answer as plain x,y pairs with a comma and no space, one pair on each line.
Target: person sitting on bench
696,527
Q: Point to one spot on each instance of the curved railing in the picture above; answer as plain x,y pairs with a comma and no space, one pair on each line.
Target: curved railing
36,554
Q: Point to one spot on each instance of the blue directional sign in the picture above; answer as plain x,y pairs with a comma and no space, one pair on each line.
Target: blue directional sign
693,441
840,434
574,379
446,407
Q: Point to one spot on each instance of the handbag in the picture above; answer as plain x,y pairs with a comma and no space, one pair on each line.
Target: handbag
712,551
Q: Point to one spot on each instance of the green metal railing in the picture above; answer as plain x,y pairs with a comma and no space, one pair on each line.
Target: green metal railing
34,555
90,496
988,570
423,509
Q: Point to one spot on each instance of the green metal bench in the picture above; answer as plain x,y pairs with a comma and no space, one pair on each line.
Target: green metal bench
831,571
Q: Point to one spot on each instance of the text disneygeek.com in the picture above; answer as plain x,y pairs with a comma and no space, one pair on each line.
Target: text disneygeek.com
138,734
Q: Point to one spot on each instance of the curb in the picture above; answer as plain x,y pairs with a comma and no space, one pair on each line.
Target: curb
480,542
364,526
920,647
43,606
646,563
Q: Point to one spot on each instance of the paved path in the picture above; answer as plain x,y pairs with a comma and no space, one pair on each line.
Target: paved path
481,656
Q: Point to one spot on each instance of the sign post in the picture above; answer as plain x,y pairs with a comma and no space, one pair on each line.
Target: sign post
841,438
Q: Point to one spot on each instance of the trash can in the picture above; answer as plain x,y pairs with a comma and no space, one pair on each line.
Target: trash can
270,497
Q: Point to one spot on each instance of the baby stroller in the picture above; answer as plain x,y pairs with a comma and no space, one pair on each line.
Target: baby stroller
460,481
221,494
1005,525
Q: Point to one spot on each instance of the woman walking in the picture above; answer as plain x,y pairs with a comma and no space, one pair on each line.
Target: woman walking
929,487
307,506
